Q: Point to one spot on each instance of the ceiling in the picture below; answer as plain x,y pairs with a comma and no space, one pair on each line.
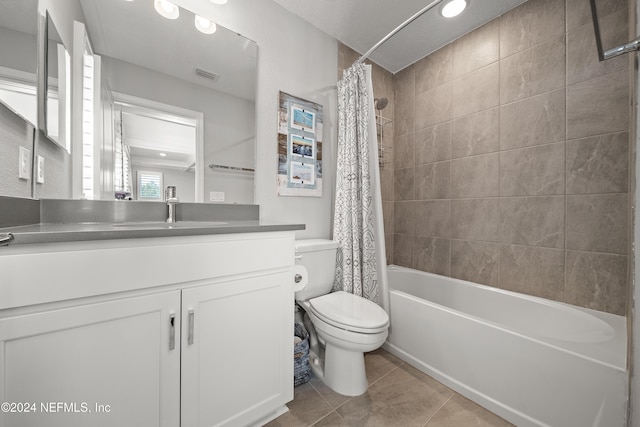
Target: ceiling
172,47
360,24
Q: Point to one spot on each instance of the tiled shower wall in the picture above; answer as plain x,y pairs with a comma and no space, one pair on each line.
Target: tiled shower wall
512,153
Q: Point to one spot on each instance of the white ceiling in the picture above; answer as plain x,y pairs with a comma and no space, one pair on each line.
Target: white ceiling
360,24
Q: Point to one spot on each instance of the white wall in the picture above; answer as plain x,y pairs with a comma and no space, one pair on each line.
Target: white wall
299,59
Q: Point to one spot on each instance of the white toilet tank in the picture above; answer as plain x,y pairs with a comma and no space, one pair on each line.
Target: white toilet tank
318,256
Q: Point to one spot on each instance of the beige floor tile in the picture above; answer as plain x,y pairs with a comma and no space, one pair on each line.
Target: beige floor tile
404,397
460,411
332,420
379,363
332,398
306,408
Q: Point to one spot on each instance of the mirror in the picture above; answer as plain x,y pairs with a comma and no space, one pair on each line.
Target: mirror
58,93
165,71
18,57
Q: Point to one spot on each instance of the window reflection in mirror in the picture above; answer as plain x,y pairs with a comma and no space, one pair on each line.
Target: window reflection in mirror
18,57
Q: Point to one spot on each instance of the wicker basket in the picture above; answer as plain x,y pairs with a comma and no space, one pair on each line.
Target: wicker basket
301,368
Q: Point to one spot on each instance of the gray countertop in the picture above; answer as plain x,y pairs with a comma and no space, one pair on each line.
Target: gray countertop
75,232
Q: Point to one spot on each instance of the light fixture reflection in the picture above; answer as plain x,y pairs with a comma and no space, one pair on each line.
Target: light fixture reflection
218,1
204,25
453,8
166,9
163,154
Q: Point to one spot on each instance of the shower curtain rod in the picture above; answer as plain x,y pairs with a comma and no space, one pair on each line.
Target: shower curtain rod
400,27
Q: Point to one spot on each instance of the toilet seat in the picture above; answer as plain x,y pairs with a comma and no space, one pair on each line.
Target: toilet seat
350,312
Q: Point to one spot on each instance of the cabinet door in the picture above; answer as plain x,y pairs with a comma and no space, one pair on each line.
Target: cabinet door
237,362
102,364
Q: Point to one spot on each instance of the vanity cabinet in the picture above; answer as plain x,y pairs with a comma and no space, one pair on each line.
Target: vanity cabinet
208,344
99,364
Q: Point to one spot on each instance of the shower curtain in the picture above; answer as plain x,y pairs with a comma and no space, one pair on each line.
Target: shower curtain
357,226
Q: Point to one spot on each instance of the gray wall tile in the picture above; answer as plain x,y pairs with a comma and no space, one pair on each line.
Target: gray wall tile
403,217
580,11
582,58
475,176
403,250
404,118
432,181
597,281
404,151
403,184
433,218
476,134
598,164
598,106
530,24
532,270
533,121
476,91
386,183
507,167
433,70
387,216
433,106
476,219
433,144
404,84
475,261
478,48
532,171
533,221
533,71
432,255
598,223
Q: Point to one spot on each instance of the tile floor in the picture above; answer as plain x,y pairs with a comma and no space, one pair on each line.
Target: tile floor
398,395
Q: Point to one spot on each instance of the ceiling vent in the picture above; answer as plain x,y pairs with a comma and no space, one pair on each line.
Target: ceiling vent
206,74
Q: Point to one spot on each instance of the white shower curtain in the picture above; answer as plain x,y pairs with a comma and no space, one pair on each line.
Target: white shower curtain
357,226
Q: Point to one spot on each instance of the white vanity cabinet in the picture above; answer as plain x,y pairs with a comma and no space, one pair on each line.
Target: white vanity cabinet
99,364
180,331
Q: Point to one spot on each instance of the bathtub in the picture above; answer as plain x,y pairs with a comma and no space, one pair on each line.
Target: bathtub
532,361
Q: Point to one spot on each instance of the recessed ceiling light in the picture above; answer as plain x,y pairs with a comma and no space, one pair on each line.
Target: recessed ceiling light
453,8
163,154
166,9
218,1
204,25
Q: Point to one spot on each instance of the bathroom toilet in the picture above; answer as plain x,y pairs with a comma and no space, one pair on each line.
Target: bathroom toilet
342,326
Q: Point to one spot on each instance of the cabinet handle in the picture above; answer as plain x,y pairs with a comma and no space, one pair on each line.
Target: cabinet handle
190,334
172,331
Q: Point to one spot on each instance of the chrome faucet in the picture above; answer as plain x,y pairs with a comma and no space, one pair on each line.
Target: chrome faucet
172,200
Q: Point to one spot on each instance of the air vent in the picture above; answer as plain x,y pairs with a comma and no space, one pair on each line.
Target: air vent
206,74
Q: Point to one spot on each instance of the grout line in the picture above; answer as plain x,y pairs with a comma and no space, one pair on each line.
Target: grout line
438,410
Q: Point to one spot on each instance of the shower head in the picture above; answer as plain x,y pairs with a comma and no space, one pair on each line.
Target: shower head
380,103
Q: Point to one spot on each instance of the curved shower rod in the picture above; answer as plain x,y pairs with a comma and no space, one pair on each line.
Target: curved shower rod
398,28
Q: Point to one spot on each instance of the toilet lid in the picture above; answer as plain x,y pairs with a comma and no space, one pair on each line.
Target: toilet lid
350,312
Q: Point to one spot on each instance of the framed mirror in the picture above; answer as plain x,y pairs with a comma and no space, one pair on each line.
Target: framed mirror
18,57
171,62
57,106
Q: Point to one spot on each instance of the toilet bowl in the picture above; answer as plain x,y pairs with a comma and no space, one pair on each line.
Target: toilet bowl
342,326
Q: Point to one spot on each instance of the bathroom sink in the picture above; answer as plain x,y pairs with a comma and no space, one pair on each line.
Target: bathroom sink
164,225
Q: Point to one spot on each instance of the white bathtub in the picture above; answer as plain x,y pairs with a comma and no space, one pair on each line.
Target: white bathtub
532,361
